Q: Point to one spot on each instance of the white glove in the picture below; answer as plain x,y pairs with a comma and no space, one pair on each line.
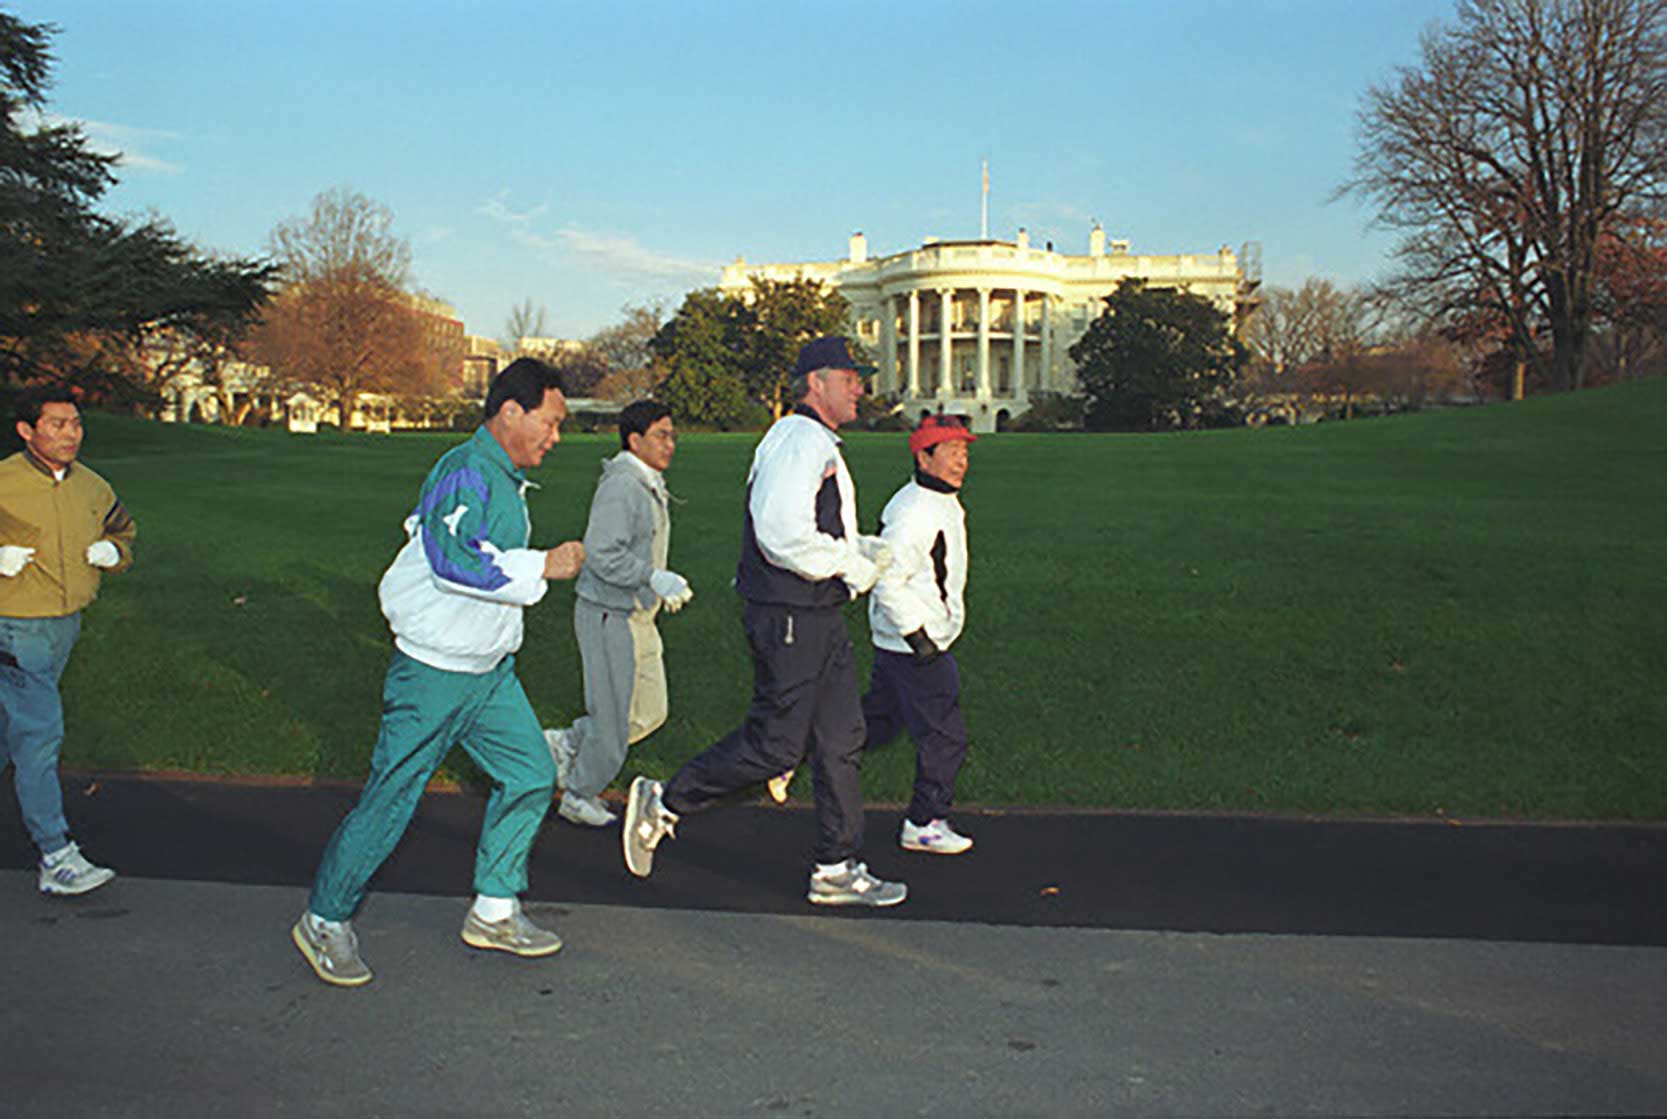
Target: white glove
673,589
102,553
862,575
875,550
14,558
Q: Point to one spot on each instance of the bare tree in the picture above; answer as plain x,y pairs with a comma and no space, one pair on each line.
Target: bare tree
1505,155
343,322
524,322
624,348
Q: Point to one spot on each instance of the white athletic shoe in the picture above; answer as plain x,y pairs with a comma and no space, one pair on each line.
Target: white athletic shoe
589,811
778,786
561,749
936,838
69,872
647,821
852,884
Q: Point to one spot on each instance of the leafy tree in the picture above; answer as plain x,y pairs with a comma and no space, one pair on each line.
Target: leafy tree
1505,156
698,347
344,321
1155,359
775,319
746,343
81,293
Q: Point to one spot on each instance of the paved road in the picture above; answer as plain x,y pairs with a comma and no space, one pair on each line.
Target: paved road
1366,969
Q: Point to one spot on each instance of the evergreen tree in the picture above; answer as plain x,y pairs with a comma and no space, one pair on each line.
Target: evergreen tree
69,274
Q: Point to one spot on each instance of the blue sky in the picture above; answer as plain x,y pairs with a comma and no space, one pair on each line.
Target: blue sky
589,155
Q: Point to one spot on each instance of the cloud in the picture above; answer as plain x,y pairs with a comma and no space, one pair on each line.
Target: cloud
124,141
625,255
497,209
616,254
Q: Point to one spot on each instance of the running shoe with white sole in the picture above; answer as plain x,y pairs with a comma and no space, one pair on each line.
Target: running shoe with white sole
514,934
332,948
778,786
560,743
69,873
647,821
853,885
936,838
588,811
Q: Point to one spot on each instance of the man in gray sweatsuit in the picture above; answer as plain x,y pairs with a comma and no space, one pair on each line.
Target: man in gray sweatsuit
620,590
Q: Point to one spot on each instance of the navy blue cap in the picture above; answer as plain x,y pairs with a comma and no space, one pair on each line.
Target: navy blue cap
824,353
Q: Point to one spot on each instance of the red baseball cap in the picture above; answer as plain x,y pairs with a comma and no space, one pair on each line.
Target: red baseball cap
940,428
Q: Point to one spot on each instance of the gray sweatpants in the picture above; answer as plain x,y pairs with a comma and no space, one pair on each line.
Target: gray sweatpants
625,691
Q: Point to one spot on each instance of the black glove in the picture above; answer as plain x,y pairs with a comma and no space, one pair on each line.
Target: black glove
921,646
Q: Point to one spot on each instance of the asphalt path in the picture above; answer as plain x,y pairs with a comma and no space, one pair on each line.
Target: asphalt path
1072,964
1561,883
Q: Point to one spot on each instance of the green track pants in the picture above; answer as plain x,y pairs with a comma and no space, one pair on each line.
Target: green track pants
426,711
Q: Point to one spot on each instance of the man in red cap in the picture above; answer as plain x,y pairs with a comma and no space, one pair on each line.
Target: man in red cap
914,616
801,561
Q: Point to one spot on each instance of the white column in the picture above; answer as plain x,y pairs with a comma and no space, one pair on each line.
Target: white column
1047,342
1019,387
946,298
914,344
983,343
888,343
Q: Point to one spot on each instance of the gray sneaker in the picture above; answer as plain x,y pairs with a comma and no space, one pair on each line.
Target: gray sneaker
70,873
853,885
332,948
647,821
560,743
589,811
514,934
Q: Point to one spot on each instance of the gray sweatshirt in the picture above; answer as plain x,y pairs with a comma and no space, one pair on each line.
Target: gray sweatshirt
628,537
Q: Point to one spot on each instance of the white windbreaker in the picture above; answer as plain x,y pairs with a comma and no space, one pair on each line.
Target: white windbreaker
925,585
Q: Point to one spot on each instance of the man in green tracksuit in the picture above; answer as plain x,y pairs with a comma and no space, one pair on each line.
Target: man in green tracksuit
453,598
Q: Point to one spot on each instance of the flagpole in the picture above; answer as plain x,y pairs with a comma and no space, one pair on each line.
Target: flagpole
984,209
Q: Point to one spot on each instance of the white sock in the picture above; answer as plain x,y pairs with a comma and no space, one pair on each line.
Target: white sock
492,910
319,924
828,870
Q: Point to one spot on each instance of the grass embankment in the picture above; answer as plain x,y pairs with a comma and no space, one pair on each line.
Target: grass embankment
1455,612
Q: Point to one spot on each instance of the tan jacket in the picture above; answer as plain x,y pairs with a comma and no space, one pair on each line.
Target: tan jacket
59,519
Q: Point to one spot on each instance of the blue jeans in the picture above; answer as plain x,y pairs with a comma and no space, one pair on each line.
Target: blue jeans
33,652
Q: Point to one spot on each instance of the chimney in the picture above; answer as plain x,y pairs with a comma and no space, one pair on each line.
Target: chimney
1024,238
1097,241
859,248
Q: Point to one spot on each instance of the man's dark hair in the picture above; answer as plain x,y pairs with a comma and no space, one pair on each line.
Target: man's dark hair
637,417
525,381
32,401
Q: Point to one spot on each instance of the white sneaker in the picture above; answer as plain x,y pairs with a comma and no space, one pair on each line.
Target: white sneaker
561,749
647,822
589,811
852,884
69,873
936,838
778,786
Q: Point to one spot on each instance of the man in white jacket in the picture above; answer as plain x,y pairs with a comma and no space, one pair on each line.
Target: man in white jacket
453,597
621,588
914,616
801,562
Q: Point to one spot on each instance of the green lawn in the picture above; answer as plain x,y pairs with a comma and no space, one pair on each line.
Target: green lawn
1457,612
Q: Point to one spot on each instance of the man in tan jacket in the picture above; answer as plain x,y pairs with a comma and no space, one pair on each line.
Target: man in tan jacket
61,527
